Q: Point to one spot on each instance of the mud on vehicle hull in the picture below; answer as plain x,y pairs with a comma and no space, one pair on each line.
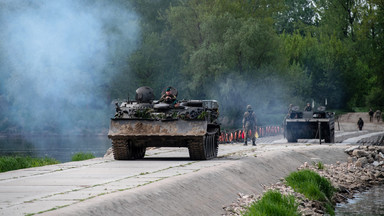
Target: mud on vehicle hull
131,137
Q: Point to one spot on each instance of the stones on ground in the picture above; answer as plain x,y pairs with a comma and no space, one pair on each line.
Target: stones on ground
350,150
359,153
365,168
361,162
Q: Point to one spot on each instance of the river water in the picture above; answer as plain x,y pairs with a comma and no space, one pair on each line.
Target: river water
369,203
59,147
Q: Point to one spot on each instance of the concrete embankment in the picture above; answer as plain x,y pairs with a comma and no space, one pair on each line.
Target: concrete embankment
207,190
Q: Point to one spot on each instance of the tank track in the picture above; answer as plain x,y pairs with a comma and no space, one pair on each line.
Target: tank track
330,136
291,137
204,148
123,149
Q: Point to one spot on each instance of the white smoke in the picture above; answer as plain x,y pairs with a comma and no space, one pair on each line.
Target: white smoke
58,57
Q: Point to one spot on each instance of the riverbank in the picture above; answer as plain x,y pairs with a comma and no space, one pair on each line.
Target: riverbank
364,168
208,185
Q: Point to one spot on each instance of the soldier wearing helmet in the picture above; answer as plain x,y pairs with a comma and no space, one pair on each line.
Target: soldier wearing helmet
308,108
249,125
168,97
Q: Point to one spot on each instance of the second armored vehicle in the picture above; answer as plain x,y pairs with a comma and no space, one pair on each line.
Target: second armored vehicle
148,123
310,125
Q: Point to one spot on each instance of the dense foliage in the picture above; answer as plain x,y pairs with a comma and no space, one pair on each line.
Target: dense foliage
264,53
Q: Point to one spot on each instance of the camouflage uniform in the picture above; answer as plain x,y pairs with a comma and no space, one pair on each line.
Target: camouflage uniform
249,123
370,115
378,115
360,124
168,97
308,108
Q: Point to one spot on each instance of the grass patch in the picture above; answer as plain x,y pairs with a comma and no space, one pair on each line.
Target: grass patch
82,156
274,203
312,185
319,165
8,163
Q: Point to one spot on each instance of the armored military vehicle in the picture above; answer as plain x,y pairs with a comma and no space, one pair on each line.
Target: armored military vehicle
146,122
310,125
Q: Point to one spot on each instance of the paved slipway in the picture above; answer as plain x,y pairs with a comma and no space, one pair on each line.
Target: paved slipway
166,182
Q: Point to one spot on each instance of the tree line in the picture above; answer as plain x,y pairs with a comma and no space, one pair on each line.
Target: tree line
265,53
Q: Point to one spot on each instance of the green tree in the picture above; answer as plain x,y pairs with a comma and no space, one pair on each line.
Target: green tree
230,53
373,29
297,15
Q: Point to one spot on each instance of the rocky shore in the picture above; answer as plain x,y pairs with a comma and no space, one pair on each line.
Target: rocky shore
365,168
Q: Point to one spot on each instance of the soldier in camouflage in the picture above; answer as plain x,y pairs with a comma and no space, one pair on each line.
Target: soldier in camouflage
168,97
378,115
308,108
360,124
249,124
370,114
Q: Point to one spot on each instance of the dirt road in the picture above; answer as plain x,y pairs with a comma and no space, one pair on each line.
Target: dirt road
165,182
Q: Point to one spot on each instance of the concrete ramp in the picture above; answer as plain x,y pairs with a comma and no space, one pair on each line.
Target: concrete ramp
207,190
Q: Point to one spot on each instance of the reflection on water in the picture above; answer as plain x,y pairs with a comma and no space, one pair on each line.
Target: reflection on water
367,203
58,147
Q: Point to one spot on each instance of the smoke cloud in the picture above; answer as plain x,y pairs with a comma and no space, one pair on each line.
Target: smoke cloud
57,58
266,95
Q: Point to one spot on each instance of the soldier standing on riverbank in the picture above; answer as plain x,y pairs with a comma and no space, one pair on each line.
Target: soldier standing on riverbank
249,125
360,124
378,115
370,115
